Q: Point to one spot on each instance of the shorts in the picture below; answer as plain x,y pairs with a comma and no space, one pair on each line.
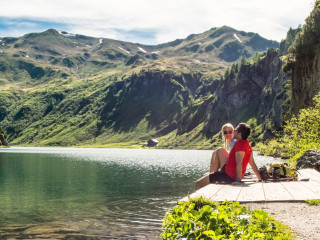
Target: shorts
220,177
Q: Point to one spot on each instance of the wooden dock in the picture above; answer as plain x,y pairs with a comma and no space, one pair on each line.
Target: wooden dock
251,191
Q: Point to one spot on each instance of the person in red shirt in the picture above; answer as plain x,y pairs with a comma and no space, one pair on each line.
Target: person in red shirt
236,164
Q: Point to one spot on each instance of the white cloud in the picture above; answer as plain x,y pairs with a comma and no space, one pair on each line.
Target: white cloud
166,19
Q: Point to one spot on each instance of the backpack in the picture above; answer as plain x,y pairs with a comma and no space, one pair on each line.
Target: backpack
280,169
264,173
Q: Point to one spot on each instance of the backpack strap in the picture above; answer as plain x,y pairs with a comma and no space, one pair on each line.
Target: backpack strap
284,170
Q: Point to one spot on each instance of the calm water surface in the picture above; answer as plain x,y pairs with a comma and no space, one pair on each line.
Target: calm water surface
82,193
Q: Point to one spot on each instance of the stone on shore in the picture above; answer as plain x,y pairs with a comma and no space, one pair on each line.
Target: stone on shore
152,142
310,159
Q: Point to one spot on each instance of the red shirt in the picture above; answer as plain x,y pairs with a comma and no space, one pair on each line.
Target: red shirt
239,146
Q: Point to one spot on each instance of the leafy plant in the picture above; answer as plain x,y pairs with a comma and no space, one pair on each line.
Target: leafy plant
203,219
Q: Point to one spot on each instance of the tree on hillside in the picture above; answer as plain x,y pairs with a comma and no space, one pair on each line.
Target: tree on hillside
309,37
3,138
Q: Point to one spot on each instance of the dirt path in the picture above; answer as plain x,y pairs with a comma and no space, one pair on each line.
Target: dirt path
300,217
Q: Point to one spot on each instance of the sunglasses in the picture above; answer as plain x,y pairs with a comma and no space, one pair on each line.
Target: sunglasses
228,132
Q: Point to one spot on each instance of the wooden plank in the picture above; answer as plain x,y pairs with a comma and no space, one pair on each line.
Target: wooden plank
265,191
214,188
313,186
227,192
275,191
251,193
205,192
309,173
299,192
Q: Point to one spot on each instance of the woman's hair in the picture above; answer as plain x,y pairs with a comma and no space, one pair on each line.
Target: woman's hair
227,125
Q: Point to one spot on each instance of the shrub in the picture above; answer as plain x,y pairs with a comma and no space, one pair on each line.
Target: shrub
202,219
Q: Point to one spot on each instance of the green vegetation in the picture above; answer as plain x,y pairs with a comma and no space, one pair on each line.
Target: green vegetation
3,138
309,37
202,219
300,134
313,202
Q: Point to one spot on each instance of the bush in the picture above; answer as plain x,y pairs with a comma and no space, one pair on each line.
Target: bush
202,219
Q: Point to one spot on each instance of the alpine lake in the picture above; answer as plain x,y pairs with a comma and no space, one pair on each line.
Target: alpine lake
94,193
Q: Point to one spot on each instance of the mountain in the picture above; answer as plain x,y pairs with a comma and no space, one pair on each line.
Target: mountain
84,56
62,89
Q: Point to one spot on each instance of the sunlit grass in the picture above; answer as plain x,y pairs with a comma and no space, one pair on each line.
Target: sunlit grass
313,202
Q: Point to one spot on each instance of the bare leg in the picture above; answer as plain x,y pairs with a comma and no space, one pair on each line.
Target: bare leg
204,181
219,159
214,165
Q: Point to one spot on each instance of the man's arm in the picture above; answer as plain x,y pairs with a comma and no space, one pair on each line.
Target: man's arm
254,167
239,160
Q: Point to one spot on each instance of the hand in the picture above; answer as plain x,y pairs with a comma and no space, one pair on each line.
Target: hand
236,183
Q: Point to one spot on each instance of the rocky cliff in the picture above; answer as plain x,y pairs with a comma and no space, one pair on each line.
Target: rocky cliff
305,80
304,61
256,89
251,90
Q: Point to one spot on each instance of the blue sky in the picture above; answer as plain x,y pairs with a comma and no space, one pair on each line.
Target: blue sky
151,21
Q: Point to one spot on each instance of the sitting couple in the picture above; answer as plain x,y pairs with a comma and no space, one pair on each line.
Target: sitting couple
230,167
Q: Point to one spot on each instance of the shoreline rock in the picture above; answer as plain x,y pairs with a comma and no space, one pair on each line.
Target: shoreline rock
152,142
310,159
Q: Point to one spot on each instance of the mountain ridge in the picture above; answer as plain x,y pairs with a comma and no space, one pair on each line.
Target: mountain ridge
61,89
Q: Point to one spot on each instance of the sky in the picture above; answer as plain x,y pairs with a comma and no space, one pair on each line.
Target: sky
151,22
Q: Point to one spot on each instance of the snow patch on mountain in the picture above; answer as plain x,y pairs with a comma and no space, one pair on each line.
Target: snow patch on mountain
124,50
142,50
66,34
236,37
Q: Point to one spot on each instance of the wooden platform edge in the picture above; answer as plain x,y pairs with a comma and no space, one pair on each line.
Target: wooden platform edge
291,188
254,201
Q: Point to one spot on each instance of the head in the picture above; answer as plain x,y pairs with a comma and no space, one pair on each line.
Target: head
227,131
242,131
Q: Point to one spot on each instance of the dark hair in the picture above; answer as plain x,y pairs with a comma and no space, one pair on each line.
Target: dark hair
244,129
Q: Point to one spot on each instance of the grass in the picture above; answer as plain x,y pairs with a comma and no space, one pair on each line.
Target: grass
131,145
313,202
190,140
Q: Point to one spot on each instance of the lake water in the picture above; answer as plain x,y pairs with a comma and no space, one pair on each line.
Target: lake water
86,193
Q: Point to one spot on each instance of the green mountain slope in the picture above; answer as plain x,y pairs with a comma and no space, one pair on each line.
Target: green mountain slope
61,89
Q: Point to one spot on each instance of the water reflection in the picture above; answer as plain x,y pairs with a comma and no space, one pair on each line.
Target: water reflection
70,193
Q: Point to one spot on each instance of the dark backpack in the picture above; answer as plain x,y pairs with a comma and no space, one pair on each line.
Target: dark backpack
264,173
